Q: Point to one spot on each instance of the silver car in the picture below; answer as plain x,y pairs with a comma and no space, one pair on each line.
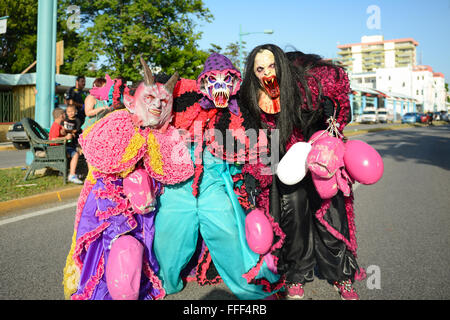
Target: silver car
16,134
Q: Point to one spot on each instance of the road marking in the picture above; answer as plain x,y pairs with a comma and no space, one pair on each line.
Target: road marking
399,144
37,213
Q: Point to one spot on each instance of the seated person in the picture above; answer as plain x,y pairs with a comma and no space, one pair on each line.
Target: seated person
57,131
72,124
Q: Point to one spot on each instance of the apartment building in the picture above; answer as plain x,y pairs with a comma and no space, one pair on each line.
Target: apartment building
373,52
389,67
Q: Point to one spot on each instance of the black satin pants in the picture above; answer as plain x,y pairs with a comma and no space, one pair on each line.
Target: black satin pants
308,244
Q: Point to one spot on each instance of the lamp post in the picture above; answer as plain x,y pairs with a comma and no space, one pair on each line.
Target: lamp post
267,31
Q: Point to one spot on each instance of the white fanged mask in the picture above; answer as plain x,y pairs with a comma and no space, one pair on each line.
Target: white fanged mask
218,87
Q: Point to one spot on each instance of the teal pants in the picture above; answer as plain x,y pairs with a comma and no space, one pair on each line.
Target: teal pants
216,213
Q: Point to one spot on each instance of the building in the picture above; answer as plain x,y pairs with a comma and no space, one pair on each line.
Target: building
384,73
373,52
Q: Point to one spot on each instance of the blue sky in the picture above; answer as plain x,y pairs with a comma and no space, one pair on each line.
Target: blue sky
318,26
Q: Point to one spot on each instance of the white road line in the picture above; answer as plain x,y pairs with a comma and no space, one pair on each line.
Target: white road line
399,144
37,213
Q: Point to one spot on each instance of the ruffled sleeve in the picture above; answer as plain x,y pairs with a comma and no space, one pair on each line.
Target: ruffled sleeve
336,86
113,144
167,158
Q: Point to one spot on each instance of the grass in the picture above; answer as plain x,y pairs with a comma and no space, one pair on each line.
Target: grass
12,185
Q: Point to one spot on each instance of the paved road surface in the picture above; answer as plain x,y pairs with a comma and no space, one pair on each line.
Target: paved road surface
403,225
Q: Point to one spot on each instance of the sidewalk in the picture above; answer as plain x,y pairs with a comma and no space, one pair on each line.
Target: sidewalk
72,192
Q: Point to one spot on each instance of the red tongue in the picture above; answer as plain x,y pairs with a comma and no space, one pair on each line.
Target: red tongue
220,100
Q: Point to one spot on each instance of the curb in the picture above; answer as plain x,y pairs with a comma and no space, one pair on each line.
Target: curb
42,198
7,147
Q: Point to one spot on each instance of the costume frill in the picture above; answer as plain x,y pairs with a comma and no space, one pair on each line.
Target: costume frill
114,147
212,205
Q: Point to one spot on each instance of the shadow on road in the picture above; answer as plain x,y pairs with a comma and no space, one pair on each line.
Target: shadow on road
402,145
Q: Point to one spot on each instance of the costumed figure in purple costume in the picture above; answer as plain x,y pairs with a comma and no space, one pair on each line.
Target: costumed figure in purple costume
133,153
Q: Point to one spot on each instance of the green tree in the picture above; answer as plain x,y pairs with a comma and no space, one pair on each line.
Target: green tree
18,44
231,52
114,33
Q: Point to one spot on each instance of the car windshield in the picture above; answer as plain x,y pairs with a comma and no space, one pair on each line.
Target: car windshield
382,112
369,112
409,114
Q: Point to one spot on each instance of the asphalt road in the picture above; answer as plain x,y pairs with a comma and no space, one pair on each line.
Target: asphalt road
12,158
403,225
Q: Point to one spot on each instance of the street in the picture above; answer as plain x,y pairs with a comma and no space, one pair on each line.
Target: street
402,223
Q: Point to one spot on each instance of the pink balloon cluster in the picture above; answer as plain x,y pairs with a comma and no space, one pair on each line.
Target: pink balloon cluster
334,165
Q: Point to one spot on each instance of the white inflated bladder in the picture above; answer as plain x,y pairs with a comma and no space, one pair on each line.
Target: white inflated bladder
292,168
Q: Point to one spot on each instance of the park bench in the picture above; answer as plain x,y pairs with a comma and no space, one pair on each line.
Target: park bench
44,153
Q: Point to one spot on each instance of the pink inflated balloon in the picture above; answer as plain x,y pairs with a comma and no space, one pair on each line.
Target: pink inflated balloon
362,162
327,188
123,269
321,133
138,188
258,231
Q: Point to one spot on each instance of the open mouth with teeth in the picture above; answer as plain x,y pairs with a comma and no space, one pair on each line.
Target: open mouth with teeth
271,86
220,98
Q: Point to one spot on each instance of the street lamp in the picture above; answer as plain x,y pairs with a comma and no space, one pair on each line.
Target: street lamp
267,31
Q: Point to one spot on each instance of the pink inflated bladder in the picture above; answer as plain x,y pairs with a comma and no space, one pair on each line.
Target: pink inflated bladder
318,135
138,188
292,168
362,162
326,156
327,188
258,231
123,269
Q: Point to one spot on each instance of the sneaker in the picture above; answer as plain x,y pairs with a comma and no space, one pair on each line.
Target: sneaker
295,291
73,178
346,290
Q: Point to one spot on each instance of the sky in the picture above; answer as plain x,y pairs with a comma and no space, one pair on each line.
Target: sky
318,26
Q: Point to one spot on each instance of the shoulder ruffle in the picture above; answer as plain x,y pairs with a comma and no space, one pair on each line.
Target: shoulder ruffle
113,144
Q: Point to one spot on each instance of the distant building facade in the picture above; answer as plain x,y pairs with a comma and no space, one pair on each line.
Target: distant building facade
389,67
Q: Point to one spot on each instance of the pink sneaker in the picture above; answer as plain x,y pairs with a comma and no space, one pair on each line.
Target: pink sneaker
346,290
295,291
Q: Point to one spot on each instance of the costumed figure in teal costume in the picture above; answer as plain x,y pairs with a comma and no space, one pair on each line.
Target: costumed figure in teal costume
200,225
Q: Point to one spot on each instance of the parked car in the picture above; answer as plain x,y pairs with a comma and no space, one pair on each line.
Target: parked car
369,115
383,116
444,116
410,117
16,134
424,117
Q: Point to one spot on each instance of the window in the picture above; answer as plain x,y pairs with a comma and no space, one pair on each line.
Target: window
389,77
403,84
417,92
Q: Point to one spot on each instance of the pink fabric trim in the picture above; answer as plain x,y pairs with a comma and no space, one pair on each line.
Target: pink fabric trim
85,241
177,163
157,284
351,244
267,286
92,283
82,201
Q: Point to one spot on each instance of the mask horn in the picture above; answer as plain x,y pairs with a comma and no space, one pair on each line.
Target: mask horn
148,76
170,84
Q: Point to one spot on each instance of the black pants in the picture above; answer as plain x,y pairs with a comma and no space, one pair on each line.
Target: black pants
308,243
